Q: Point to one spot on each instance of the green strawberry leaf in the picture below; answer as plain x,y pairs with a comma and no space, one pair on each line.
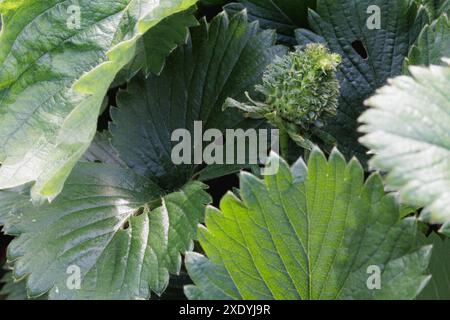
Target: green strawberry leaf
369,56
54,72
10,289
310,232
222,59
439,286
408,130
282,15
213,2
436,8
432,45
109,224
102,151
157,44
13,290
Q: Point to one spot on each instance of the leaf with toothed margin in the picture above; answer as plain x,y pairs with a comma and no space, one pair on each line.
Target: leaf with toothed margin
102,151
284,16
54,74
408,129
439,268
155,45
432,45
369,57
435,8
221,59
308,233
111,224
13,290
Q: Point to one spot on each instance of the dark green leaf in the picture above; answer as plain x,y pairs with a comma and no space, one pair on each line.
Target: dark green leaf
439,286
282,15
13,290
106,224
370,57
220,60
102,151
436,8
432,45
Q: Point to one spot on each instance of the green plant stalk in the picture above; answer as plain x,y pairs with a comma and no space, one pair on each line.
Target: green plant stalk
284,142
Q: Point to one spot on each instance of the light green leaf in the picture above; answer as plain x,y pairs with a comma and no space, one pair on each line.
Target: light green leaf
161,40
439,286
370,57
406,210
222,59
106,224
54,74
157,44
432,45
313,236
408,129
282,15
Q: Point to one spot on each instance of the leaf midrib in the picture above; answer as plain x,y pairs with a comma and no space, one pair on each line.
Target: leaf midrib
56,46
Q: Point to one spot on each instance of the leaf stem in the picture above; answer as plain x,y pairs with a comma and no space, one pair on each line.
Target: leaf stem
284,142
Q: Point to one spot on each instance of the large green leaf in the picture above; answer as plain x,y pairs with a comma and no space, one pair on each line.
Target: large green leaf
106,222
54,75
370,57
408,129
308,233
222,59
282,15
439,286
432,45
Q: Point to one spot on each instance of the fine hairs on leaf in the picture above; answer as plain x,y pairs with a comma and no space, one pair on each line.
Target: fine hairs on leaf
407,127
